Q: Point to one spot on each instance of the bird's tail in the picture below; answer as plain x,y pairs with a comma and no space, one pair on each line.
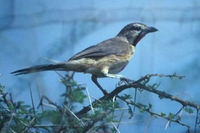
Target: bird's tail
56,67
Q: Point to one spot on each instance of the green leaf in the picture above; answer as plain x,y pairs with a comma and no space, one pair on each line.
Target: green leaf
162,114
189,110
77,95
150,106
171,116
130,111
126,96
142,110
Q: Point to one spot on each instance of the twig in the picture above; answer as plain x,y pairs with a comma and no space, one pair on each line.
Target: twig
50,102
120,119
113,125
163,94
74,115
95,120
196,121
147,123
32,101
90,101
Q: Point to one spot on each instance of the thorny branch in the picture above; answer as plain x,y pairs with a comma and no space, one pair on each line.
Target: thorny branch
161,94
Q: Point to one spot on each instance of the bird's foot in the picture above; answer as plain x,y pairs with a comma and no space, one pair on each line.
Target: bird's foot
126,81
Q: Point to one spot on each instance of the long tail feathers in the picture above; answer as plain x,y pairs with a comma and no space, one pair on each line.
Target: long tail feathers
59,66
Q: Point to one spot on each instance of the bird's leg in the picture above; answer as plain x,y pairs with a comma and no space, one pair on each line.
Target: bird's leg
94,79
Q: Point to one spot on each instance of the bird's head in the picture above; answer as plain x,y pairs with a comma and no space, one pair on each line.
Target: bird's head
134,32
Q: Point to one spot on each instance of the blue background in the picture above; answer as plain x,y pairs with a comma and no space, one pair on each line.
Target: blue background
33,30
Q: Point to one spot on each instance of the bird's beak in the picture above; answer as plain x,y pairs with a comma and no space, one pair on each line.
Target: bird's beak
151,29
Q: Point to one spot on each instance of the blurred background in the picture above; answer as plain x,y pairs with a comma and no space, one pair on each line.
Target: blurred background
33,30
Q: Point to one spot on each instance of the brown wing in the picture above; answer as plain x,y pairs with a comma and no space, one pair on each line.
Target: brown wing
112,46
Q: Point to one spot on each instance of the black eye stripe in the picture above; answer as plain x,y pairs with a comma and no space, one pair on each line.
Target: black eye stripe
137,28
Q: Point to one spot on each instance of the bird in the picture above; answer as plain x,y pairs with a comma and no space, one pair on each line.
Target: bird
105,59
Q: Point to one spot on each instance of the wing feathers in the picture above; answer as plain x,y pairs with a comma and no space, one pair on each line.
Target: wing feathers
115,46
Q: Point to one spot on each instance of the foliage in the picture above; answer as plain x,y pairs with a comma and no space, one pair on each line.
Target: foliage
99,116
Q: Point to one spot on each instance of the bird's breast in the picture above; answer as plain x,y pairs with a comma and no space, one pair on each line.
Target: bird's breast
119,64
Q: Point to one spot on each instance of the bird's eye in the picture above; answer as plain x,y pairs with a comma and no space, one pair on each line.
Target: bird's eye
137,28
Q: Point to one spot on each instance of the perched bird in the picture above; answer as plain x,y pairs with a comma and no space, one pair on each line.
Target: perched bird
105,59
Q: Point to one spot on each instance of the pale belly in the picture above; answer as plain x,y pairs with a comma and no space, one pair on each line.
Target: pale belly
112,65
115,69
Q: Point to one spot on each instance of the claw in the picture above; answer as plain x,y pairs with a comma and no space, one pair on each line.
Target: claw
126,80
